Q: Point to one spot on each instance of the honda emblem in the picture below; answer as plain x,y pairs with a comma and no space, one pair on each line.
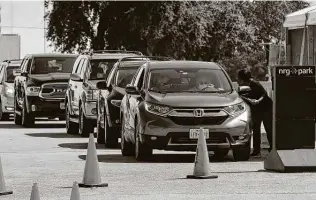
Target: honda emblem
198,113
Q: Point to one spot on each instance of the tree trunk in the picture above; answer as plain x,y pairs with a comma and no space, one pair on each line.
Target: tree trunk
98,42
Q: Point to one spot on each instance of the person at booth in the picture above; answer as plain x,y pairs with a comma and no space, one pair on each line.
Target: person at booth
261,109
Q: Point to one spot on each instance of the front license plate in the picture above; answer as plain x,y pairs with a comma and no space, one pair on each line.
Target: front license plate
62,105
194,133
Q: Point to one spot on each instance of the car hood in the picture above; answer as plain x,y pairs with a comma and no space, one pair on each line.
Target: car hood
194,99
51,77
8,85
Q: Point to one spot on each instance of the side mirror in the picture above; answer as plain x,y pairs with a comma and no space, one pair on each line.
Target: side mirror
75,77
129,89
101,85
24,74
243,89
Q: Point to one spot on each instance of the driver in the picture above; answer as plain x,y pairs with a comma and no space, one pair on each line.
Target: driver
160,82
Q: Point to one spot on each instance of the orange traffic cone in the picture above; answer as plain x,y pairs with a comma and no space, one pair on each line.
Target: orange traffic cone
91,177
75,195
35,193
202,162
3,191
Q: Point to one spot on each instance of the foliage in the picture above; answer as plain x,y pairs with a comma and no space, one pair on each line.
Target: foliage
228,32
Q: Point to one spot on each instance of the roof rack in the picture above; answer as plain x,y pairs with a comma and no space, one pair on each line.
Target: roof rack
9,61
111,51
157,58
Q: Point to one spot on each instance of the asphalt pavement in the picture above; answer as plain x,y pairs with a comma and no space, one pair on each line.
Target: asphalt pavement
48,156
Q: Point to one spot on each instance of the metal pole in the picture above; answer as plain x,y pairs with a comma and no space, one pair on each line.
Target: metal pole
44,28
11,13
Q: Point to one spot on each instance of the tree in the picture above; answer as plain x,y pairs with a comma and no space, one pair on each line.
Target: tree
227,32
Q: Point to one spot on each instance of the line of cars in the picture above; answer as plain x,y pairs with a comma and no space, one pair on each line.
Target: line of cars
149,102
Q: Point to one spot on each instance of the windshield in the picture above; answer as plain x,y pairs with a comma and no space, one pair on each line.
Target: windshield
45,65
10,76
124,76
100,69
189,80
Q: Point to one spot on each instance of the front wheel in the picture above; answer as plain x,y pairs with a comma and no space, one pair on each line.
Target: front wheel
142,151
71,127
220,153
100,133
242,153
27,118
85,125
127,148
3,116
111,140
17,118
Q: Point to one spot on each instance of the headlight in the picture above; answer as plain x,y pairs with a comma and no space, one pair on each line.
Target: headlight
235,109
9,92
157,109
92,95
32,91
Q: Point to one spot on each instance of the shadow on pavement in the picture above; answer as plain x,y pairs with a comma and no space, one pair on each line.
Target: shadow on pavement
45,125
167,158
52,135
41,125
10,126
83,145
156,158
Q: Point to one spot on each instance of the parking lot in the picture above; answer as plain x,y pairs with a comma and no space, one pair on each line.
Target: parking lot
48,156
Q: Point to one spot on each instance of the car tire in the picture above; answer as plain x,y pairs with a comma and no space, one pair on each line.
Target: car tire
142,151
3,116
111,140
100,133
62,118
242,153
27,118
17,118
85,125
220,153
127,148
72,128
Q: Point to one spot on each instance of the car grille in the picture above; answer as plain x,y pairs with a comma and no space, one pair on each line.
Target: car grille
183,138
53,90
191,121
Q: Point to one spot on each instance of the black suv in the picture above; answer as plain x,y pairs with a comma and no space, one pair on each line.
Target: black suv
81,96
41,86
113,90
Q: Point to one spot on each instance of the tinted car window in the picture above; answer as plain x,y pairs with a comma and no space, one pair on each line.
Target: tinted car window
10,76
44,65
189,80
124,76
101,68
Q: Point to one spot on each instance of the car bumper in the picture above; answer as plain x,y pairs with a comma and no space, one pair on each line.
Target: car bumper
44,108
7,104
91,110
164,133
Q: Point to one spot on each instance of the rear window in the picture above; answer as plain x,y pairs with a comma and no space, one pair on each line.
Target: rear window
124,76
100,68
45,65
